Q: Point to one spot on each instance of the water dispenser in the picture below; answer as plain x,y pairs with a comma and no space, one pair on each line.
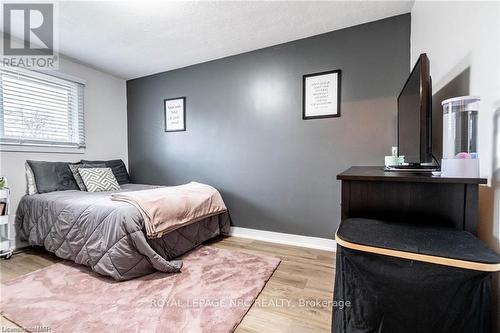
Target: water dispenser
460,137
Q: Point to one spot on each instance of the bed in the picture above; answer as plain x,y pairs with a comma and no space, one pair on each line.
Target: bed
108,236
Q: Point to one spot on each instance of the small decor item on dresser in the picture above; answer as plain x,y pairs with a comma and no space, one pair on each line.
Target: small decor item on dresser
99,179
175,114
460,137
3,183
394,159
321,95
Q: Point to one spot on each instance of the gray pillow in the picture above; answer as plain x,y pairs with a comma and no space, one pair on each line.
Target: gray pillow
118,168
52,176
78,178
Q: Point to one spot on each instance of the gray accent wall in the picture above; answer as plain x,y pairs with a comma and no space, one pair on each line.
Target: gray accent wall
245,134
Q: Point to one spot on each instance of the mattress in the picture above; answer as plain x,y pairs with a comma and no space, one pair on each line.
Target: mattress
108,236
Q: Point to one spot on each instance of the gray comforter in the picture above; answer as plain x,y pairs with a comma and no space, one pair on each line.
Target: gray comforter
90,229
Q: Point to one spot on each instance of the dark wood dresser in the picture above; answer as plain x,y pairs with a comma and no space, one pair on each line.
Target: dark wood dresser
371,192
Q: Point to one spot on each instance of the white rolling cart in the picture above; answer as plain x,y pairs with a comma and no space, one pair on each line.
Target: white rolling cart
5,241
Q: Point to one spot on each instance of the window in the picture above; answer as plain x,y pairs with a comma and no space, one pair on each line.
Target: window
40,110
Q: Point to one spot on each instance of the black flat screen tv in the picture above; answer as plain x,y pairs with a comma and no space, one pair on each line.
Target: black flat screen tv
414,115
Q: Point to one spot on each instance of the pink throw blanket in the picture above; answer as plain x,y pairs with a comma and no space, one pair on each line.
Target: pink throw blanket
168,208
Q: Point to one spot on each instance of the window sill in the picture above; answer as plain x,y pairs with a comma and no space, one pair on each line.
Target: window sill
41,149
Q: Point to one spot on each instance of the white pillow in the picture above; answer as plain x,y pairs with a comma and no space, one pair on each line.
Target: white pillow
99,179
30,180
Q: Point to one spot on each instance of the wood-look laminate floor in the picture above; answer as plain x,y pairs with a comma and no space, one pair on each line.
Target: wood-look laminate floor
295,300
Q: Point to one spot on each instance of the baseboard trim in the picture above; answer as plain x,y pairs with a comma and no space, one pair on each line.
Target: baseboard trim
281,238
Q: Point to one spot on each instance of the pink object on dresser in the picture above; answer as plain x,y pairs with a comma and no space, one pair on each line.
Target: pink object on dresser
462,156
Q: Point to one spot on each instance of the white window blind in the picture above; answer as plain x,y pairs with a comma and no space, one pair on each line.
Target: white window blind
40,109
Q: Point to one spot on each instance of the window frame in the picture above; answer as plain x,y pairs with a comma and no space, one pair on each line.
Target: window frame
47,146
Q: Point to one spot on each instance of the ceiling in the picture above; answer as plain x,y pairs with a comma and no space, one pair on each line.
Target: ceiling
131,39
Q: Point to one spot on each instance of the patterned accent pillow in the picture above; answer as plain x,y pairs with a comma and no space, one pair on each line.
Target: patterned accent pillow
118,168
99,179
74,169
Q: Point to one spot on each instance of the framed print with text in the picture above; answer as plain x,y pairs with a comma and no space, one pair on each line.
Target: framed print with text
175,114
321,95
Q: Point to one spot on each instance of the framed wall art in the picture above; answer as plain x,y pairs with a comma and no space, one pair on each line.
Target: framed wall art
175,114
321,95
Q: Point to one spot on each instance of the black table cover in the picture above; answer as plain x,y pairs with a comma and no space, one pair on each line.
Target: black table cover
381,293
423,239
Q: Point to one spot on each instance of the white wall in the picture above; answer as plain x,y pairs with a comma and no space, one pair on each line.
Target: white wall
465,35
105,123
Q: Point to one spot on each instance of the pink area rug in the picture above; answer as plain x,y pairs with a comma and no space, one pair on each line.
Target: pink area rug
211,294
